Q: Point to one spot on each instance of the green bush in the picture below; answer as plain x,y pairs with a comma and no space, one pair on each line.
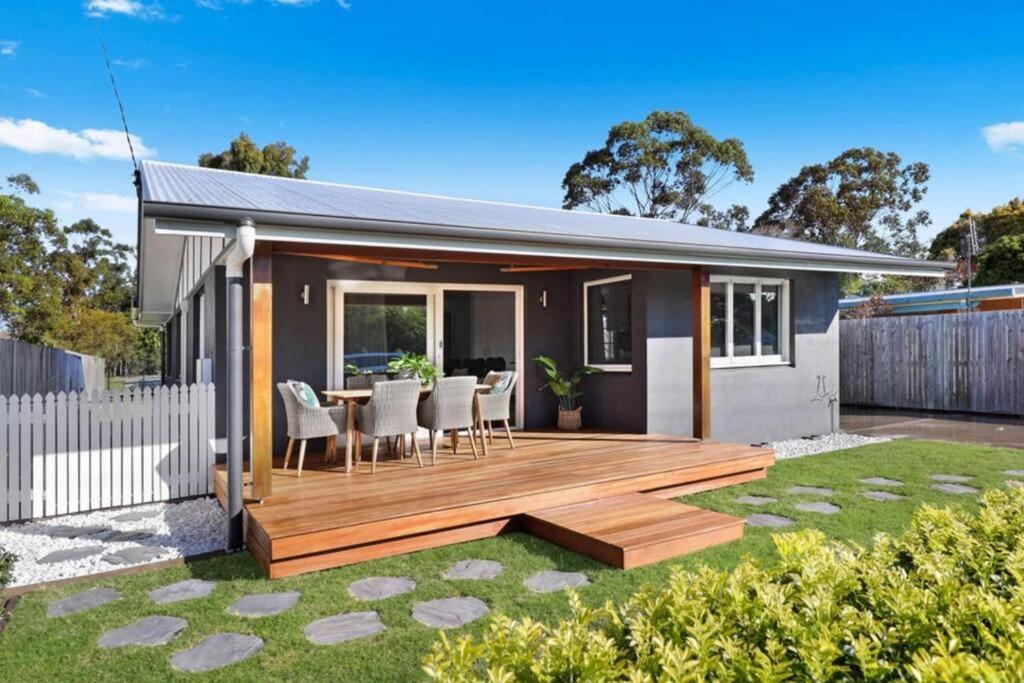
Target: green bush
945,601
6,565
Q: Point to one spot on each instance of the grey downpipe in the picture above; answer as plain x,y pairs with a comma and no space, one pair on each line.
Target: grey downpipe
245,243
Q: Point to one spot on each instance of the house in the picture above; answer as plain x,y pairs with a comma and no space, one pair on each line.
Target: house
991,298
701,333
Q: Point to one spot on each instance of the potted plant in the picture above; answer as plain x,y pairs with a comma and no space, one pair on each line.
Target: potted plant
565,389
417,365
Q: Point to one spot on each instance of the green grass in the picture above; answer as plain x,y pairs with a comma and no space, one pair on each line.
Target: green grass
35,647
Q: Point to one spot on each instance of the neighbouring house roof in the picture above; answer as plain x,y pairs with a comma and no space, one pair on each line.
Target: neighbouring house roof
180,200
943,299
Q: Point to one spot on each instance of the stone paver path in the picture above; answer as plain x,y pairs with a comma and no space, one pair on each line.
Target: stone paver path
67,531
882,496
70,554
188,589
474,569
81,602
136,516
135,554
881,481
951,478
217,651
814,490
449,612
129,536
344,627
1014,473
147,632
263,604
772,521
955,489
756,500
551,581
819,507
380,587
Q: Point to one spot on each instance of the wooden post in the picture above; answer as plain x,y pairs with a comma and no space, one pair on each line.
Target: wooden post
261,339
701,296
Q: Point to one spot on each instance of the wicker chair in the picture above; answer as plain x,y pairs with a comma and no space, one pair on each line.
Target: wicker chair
449,408
391,411
306,422
364,381
496,404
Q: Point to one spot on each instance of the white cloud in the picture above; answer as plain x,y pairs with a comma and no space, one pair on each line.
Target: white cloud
8,48
96,201
128,8
344,4
38,94
1004,137
130,63
36,137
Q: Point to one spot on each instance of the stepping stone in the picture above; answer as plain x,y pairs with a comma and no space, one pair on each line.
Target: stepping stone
449,612
147,632
136,516
136,554
188,589
66,531
217,651
70,554
474,569
551,581
771,521
1014,483
820,507
380,587
129,536
81,602
756,500
263,604
1014,473
955,489
344,627
951,478
814,490
881,481
882,496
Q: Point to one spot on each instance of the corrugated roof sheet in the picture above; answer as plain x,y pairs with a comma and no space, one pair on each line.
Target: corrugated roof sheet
193,186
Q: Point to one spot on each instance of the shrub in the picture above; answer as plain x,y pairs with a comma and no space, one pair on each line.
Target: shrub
944,601
6,565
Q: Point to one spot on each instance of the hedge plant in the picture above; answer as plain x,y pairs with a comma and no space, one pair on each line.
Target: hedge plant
943,601
6,566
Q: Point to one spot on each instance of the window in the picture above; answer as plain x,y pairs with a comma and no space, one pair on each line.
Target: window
749,321
607,323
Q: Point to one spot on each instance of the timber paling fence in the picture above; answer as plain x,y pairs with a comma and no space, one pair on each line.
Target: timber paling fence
74,452
30,368
964,362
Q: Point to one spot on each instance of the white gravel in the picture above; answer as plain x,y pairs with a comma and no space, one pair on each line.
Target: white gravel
182,529
797,448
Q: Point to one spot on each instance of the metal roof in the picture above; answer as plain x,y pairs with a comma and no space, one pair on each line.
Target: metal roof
941,299
174,191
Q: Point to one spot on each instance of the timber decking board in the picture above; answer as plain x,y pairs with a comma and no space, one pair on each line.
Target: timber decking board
328,518
632,529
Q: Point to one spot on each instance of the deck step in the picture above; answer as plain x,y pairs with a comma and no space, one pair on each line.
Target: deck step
632,530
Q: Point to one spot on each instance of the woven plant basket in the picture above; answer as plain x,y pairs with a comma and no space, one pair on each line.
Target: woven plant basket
570,420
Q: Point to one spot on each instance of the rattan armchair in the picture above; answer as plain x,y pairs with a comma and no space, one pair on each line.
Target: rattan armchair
449,408
391,411
496,405
308,422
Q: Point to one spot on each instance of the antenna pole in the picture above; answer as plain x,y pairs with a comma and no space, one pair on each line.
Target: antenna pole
120,104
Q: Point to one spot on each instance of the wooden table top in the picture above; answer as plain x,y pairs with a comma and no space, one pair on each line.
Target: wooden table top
356,394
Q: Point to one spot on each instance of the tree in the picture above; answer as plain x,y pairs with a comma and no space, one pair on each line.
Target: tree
1005,219
862,199
243,155
1002,262
734,218
95,332
662,167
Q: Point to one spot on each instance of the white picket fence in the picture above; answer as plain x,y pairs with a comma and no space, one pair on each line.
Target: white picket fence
79,452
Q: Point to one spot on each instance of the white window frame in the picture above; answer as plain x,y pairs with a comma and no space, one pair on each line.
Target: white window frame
781,358
627,367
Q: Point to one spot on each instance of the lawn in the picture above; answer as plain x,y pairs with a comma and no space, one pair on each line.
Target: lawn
35,647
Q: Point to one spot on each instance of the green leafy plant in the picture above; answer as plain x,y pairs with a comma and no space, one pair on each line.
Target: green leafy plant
7,559
942,602
416,363
565,388
353,370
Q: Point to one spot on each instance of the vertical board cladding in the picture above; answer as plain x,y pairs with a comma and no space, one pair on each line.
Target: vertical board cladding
963,362
73,452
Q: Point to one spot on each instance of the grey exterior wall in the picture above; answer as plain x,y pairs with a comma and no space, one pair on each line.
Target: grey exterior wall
748,405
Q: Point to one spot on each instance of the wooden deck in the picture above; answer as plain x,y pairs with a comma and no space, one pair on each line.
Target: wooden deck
328,518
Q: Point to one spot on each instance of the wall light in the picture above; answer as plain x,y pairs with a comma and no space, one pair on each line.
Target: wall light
305,294
543,298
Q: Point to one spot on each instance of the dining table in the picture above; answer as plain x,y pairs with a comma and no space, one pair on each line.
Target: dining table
352,398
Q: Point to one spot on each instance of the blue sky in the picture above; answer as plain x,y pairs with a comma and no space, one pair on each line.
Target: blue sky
495,101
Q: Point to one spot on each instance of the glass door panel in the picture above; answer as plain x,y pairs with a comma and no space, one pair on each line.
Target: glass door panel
381,327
